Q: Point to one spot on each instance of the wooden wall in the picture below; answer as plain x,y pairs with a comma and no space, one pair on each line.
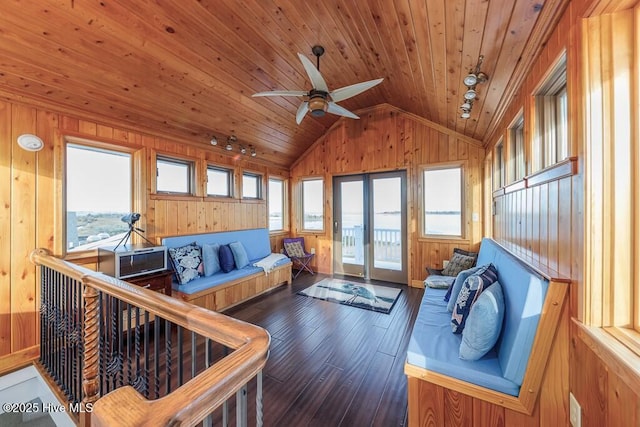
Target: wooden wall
31,208
546,222
384,139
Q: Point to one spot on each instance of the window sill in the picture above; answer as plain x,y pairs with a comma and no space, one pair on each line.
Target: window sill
279,233
443,239
176,197
618,357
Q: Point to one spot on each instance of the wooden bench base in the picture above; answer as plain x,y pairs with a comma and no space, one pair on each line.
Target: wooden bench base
232,293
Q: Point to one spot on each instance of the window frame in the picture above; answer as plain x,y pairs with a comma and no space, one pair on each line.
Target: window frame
230,183
551,133
284,206
259,183
498,165
136,188
191,171
462,166
517,162
302,211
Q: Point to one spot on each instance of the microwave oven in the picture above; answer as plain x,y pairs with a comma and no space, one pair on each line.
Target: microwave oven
131,260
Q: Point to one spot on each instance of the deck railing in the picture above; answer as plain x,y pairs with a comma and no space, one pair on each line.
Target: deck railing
124,355
387,244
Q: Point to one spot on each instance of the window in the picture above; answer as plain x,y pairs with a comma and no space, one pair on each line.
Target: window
251,186
173,175
442,201
312,204
219,182
98,194
498,166
276,204
551,144
516,150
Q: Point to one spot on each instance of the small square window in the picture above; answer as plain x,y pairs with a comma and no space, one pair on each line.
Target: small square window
251,186
173,175
442,201
219,182
516,150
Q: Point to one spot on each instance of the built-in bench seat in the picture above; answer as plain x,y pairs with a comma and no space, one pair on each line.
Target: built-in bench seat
510,374
223,290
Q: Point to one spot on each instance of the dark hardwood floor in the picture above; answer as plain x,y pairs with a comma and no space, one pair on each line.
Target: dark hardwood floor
331,364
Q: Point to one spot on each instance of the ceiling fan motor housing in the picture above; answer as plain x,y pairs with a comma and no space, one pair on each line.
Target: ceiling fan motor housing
318,103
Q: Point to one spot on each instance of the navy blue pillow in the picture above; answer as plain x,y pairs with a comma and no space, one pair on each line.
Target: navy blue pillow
226,258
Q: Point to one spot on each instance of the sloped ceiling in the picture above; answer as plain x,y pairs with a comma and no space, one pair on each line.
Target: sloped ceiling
188,68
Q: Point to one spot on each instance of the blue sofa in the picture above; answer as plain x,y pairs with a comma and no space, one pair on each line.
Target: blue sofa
518,359
249,281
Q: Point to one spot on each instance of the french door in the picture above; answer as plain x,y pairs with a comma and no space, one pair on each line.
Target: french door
370,224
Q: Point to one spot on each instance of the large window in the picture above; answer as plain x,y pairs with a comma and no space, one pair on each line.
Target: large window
98,194
312,204
551,144
442,201
174,175
219,182
516,149
251,186
276,204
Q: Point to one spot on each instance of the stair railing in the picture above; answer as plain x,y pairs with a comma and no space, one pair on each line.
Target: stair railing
124,355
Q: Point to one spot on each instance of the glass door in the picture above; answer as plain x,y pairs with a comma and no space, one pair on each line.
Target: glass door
349,225
370,225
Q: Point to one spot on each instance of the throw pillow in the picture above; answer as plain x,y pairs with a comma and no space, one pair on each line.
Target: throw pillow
471,290
187,262
439,282
294,249
484,324
457,264
210,258
454,290
239,254
226,258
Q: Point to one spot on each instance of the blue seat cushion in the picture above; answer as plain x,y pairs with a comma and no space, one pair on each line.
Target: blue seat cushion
220,278
432,346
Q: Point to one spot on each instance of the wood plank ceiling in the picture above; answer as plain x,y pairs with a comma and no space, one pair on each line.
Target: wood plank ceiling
188,68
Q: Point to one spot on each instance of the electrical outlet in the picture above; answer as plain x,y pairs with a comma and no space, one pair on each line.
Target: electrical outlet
313,250
575,412
444,263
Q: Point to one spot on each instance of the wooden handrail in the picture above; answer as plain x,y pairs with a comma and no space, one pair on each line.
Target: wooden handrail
198,397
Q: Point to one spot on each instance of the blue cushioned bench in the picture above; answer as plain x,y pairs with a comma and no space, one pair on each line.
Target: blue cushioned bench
223,290
532,308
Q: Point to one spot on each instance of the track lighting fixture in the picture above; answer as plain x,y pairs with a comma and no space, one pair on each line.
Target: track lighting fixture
474,77
232,142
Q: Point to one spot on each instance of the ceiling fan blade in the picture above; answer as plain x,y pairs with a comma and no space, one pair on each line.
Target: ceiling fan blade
334,108
302,110
281,93
353,90
314,75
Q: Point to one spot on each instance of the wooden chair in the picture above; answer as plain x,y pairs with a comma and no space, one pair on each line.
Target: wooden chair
301,259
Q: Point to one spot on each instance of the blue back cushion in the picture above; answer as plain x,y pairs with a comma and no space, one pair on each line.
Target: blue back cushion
226,258
524,294
210,258
484,324
255,241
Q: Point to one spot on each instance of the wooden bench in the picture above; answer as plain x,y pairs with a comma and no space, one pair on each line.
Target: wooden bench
435,398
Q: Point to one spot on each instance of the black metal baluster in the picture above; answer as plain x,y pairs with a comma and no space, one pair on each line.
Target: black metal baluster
120,326
167,340
129,359
156,356
146,354
179,328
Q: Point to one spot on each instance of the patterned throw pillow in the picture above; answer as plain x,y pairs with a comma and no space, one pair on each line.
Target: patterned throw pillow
457,264
187,262
294,249
454,289
439,282
471,290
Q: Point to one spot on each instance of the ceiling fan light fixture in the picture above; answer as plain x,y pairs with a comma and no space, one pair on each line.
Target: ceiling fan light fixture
318,106
470,94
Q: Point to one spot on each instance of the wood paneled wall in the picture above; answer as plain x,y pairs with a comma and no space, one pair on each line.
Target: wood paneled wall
31,208
547,221
386,138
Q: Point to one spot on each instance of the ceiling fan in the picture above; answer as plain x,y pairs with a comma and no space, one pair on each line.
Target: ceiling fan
320,99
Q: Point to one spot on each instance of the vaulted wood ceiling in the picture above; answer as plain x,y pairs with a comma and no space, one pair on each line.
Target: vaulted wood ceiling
188,68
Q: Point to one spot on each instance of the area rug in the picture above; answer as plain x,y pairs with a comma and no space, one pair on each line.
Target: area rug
362,295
